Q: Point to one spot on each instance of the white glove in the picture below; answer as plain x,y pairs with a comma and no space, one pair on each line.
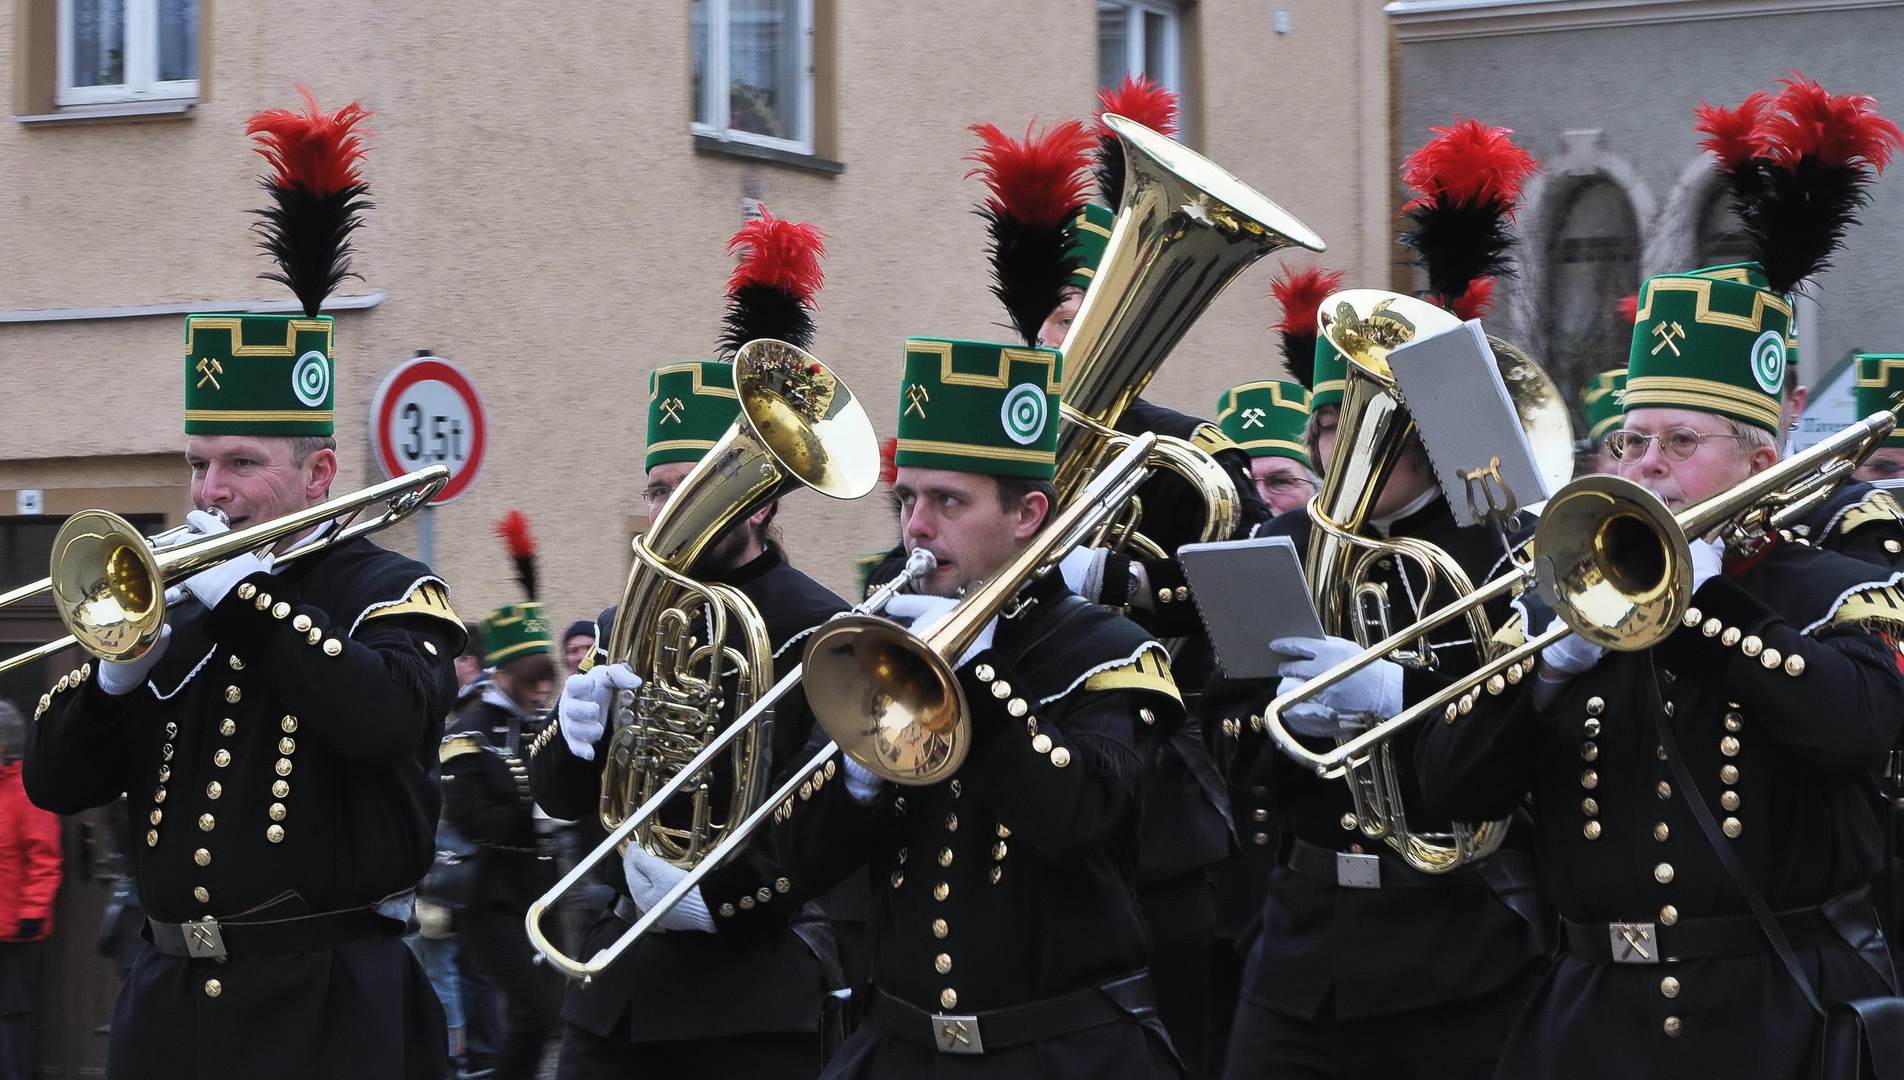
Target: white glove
649,879
1708,559
1075,566
861,783
927,612
1572,655
586,701
210,586
1376,690
121,679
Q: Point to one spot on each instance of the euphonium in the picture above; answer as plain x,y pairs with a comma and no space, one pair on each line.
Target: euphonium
1365,325
1186,228
701,648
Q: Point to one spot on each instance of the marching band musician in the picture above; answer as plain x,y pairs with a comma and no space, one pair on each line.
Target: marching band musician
749,1000
1600,402
1881,386
1860,520
277,742
1728,768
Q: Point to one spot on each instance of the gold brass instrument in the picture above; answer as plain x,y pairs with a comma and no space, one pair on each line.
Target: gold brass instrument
1185,230
798,425
108,580
920,565
1365,325
1616,564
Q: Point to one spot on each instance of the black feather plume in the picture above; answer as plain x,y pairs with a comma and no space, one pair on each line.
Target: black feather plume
1457,245
1031,265
762,311
308,235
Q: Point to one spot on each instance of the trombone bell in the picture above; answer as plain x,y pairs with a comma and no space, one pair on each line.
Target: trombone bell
1613,562
107,586
892,705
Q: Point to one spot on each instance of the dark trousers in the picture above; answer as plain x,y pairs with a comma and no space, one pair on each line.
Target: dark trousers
772,1056
1461,1040
20,1008
496,946
1181,913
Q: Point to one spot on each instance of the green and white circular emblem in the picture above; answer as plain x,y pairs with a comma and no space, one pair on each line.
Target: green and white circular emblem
1768,362
311,379
1024,414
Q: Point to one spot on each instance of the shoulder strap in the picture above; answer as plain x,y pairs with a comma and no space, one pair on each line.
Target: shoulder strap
1703,814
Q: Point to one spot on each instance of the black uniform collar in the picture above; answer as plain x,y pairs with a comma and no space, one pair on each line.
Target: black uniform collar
751,570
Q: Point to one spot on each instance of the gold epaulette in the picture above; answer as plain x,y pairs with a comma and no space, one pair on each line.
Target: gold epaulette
430,598
1882,604
457,745
1875,506
1149,671
1209,438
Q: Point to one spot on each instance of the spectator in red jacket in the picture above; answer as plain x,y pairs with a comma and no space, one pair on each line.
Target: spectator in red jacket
29,878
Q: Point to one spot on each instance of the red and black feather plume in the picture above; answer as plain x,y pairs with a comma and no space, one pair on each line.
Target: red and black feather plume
1037,185
514,530
888,459
317,193
1136,98
771,292
1799,166
1467,181
1628,308
1301,292
1473,304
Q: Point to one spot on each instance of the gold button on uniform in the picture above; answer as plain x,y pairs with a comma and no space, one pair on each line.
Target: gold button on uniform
202,857
1589,806
289,724
1732,827
1668,915
1259,814
941,891
222,758
1673,1027
1663,873
1590,752
1729,774
1060,756
942,963
939,928
280,788
1596,706
1661,832
277,811
287,745
945,856
236,664
1261,839
1589,779
157,816
233,694
275,834
202,895
301,623
228,728
999,849
1669,986
284,766
1041,743
206,822
213,988
1591,728
1664,789
1733,721
1729,800
1729,746
332,647
214,789
1592,830
948,998
898,878
1348,821
951,823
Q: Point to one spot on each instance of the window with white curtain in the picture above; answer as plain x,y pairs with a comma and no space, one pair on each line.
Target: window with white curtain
1139,37
753,72
127,50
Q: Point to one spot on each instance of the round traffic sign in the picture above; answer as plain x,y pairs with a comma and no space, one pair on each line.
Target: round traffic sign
427,412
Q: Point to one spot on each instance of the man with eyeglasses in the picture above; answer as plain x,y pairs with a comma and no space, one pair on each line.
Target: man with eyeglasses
1266,419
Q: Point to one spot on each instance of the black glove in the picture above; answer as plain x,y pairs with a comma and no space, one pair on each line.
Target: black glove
29,929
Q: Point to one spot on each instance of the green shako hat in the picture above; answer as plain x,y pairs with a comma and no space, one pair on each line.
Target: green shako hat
1600,400
259,375
1266,419
515,630
1880,387
1711,340
690,406
1090,233
980,407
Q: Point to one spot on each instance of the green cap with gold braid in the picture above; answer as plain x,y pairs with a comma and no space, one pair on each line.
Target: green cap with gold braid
690,406
1090,233
980,407
1600,400
1881,387
1266,419
259,375
515,630
1713,340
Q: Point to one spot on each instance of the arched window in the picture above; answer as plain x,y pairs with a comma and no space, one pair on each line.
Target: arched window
1719,241
1593,263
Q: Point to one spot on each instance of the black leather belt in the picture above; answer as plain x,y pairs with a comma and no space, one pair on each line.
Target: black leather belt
1349,870
210,939
1692,939
977,1033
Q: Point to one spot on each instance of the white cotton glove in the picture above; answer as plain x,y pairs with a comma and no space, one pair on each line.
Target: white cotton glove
861,783
587,701
1075,567
210,586
1708,559
121,679
1375,691
927,612
1571,655
649,879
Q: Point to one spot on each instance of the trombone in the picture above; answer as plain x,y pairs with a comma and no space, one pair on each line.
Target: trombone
108,580
1617,566
918,566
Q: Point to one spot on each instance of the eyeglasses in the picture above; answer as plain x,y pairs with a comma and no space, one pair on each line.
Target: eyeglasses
1675,444
1284,484
655,493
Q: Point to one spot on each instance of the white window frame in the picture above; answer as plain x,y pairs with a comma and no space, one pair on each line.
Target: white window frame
1134,32
141,62
717,84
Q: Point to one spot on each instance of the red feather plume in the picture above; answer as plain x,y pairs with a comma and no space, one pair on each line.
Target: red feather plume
1629,308
514,530
1469,164
1140,99
1301,292
888,459
1837,129
312,150
1733,135
779,254
1475,302
1039,181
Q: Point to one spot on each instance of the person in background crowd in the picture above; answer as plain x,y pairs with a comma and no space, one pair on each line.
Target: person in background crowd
577,642
29,879
1600,402
1881,386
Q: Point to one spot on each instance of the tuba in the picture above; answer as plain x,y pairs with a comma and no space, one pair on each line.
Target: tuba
701,648
1185,230
1365,325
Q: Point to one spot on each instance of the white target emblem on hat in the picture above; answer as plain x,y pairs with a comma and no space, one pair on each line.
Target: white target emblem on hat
1768,361
1024,414
311,379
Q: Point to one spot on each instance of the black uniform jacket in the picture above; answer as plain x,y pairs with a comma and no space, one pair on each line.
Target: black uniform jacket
486,797
1379,950
1014,881
1783,700
276,764
758,977
1859,520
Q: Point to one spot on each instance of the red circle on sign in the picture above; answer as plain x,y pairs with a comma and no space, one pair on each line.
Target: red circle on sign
404,384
